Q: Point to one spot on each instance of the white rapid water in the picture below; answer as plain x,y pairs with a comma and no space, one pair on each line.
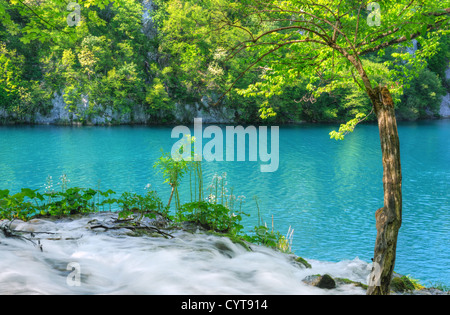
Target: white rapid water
112,262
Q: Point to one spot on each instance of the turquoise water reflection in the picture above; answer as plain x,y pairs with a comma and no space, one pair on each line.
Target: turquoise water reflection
327,191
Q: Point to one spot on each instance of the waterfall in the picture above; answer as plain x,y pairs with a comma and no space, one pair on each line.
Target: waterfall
75,256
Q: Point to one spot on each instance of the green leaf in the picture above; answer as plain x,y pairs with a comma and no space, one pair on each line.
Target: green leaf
423,31
4,193
27,192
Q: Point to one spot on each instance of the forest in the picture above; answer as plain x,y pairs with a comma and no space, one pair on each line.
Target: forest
161,54
274,62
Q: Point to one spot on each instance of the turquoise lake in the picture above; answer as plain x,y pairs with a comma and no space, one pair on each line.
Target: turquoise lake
327,191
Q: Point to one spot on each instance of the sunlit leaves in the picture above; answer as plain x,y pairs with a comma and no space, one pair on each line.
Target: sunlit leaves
347,127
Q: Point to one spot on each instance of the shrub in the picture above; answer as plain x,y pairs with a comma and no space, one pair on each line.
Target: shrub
211,216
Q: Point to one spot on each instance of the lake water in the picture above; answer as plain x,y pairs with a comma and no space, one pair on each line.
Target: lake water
327,191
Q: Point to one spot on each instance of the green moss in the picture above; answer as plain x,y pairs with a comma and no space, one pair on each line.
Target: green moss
402,284
239,241
415,283
303,262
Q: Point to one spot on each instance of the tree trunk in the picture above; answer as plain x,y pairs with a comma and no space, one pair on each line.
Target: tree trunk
389,217
171,195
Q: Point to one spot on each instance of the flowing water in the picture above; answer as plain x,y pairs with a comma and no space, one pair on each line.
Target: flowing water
327,191
113,262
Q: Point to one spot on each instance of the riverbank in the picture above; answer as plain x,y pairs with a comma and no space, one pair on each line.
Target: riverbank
102,254
60,114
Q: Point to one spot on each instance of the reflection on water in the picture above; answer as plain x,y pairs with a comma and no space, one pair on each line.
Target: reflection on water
328,191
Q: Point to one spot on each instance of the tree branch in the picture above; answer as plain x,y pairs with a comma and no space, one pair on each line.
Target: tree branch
261,58
40,18
398,40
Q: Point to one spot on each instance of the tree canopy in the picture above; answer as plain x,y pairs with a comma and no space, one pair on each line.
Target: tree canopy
203,48
285,42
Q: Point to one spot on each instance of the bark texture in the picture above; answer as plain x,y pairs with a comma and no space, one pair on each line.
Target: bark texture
389,217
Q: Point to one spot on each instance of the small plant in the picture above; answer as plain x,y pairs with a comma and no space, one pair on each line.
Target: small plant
74,200
285,242
218,193
173,172
211,216
22,205
148,205
415,283
64,181
271,238
440,286
30,203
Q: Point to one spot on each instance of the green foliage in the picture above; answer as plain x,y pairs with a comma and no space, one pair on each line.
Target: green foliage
211,216
262,235
17,94
22,205
148,205
347,127
101,60
158,98
173,171
440,62
221,214
71,201
30,203
175,165
423,97
209,45
204,48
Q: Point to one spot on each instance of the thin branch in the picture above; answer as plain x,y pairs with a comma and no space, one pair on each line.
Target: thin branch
396,29
354,79
446,12
405,8
131,227
357,23
42,19
398,40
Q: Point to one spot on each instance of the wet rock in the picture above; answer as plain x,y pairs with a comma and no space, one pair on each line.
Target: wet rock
321,281
224,248
302,262
430,291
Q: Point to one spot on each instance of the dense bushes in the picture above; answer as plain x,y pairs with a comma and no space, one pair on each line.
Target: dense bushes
109,61
423,98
